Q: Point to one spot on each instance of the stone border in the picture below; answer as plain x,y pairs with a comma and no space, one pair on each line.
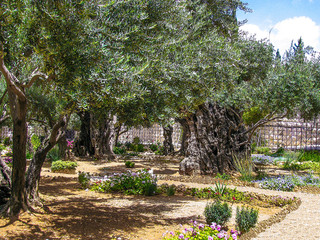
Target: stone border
278,217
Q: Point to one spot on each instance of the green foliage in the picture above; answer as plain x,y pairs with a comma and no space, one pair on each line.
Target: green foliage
223,176
245,166
7,141
35,141
129,164
53,154
263,150
246,218
119,150
136,140
281,201
153,147
171,190
217,212
84,179
63,165
279,153
306,156
139,183
220,188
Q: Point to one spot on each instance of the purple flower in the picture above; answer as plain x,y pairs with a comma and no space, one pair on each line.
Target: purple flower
172,233
210,238
220,235
218,228
181,236
234,236
213,226
201,226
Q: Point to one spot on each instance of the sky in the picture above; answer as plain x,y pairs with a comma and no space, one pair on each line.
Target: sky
282,21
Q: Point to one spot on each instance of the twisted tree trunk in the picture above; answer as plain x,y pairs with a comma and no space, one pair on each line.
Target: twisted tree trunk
34,170
214,136
167,143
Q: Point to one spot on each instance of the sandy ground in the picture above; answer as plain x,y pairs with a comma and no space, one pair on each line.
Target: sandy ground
72,213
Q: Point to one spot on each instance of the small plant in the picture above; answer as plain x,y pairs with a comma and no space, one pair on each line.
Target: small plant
84,179
281,201
223,176
246,218
245,166
217,212
220,188
171,190
63,165
153,147
129,164
8,161
139,148
136,140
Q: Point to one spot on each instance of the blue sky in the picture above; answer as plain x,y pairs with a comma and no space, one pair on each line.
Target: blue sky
282,21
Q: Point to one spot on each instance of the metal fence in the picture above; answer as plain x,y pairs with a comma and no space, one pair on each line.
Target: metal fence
290,134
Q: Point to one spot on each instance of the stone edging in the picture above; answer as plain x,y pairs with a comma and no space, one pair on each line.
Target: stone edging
278,217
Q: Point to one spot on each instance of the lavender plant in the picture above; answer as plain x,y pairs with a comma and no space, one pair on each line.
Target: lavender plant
200,232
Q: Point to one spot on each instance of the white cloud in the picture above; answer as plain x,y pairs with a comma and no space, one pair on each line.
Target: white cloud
282,33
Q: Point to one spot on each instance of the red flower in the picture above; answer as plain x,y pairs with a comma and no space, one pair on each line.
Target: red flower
233,198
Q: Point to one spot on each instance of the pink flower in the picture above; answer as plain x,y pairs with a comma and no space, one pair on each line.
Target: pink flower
210,238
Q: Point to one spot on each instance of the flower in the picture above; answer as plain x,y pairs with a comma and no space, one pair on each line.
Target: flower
181,236
233,198
218,227
201,226
220,235
210,238
234,236
172,233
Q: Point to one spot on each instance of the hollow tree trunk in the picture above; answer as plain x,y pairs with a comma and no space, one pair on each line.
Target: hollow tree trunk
184,136
83,145
215,134
104,136
167,143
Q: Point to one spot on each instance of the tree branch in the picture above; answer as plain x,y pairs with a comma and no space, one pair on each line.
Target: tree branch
10,79
36,74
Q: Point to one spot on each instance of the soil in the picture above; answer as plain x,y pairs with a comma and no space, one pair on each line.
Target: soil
70,212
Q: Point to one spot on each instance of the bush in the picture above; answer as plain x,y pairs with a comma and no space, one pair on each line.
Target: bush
223,176
217,212
129,164
139,148
63,165
119,150
84,179
246,219
139,183
153,147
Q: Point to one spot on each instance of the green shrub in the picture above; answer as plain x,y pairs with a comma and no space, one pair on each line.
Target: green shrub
153,147
217,212
306,156
7,141
139,183
62,165
263,150
171,190
139,148
136,140
129,164
84,179
119,150
279,153
246,218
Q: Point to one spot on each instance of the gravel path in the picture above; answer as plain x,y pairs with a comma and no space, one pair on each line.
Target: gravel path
303,223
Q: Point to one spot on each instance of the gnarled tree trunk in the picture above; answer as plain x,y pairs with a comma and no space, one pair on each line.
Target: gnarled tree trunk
167,143
184,136
83,145
215,134
34,170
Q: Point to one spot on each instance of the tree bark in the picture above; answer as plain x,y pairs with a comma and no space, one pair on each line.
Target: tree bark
34,170
167,143
184,137
214,136
83,145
